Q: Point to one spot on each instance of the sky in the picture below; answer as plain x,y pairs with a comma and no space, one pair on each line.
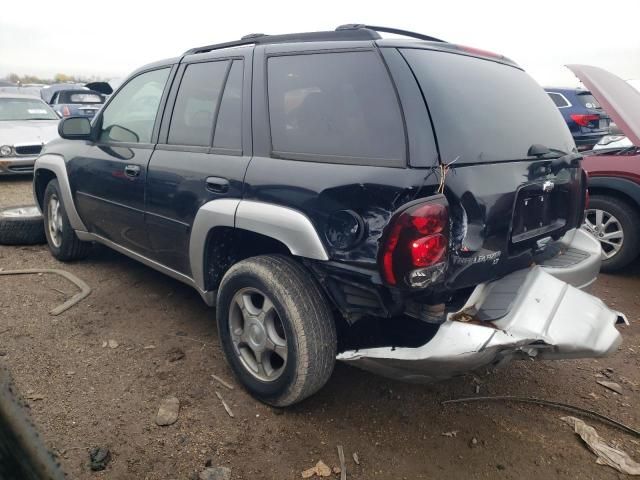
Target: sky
110,39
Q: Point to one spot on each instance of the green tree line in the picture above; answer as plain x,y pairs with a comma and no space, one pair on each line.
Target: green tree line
57,78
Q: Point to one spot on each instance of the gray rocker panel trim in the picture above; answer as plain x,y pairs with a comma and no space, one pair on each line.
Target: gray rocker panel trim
286,225
208,297
55,163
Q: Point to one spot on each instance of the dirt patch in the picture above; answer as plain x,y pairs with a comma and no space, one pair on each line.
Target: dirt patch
98,373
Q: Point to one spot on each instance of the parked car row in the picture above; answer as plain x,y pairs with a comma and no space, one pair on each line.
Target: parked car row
26,124
29,117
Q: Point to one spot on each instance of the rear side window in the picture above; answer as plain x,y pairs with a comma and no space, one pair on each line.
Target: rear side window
588,101
196,103
335,107
558,99
228,132
485,111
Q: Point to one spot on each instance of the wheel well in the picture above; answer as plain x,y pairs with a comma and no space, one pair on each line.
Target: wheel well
227,245
613,193
40,182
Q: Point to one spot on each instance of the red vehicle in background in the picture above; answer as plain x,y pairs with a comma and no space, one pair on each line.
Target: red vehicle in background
613,215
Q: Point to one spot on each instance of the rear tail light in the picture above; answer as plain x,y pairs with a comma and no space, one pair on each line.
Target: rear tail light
583,120
65,111
414,246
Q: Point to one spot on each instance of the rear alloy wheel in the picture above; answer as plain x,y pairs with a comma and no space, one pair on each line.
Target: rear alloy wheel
615,225
276,329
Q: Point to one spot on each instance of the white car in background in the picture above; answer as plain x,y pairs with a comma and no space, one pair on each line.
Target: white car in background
26,124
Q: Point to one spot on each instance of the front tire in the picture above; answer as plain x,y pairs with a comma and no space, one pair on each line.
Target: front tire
276,329
63,242
615,225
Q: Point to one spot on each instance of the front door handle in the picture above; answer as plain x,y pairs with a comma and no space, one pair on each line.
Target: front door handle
217,184
132,170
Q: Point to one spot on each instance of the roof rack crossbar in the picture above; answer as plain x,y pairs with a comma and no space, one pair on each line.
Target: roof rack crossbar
395,31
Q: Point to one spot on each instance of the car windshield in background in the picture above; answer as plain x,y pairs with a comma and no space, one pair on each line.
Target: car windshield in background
485,111
588,101
25,109
77,97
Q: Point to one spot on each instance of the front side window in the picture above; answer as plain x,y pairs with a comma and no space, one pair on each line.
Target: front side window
131,115
196,103
337,107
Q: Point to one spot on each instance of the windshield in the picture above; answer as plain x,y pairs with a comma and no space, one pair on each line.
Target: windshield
77,97
485,111
25,109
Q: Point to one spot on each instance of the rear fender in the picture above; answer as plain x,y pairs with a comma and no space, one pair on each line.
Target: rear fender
290,227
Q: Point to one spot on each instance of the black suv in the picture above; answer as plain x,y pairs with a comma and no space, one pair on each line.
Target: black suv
337,194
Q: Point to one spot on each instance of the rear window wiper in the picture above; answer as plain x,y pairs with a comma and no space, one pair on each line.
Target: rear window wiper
542,151
559,158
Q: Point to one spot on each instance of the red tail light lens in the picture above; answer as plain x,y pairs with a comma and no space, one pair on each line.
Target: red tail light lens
65,111
416,239
583,120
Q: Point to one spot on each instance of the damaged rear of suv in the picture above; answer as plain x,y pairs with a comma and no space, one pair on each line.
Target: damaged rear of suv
411,206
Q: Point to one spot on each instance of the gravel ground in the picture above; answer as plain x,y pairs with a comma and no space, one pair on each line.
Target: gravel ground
85,393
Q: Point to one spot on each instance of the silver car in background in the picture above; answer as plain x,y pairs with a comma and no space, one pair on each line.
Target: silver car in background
26,124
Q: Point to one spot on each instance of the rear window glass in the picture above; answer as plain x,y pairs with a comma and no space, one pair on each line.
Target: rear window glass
588,101
334,107
558,99
485,111
69,97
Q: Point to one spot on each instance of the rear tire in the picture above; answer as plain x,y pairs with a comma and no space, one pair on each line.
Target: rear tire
272,300
21,225
615,224
63,242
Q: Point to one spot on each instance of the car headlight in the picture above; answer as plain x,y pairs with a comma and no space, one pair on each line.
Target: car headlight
6,150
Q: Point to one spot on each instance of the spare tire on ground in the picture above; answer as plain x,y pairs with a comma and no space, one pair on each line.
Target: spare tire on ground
22,225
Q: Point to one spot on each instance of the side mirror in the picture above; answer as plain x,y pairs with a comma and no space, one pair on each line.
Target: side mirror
75,128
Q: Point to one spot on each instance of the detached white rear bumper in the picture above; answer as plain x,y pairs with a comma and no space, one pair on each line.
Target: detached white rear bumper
545,318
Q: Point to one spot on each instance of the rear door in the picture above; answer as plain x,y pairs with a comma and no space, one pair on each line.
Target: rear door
488,118
203,152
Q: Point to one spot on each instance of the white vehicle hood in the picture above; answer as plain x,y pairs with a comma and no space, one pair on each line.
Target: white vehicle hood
27,132
619,99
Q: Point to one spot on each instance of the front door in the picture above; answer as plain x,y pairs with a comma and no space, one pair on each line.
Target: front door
108,178
202,154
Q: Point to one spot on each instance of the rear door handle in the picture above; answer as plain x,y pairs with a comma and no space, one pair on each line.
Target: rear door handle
132,170
217,184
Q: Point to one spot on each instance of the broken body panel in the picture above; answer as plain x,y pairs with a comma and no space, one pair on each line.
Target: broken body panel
530,313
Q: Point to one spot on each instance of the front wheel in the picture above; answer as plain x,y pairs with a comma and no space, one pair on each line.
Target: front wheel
276,329
63,242
615,225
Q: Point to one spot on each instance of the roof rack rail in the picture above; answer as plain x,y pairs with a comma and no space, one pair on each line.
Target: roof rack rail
396,31
261,38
